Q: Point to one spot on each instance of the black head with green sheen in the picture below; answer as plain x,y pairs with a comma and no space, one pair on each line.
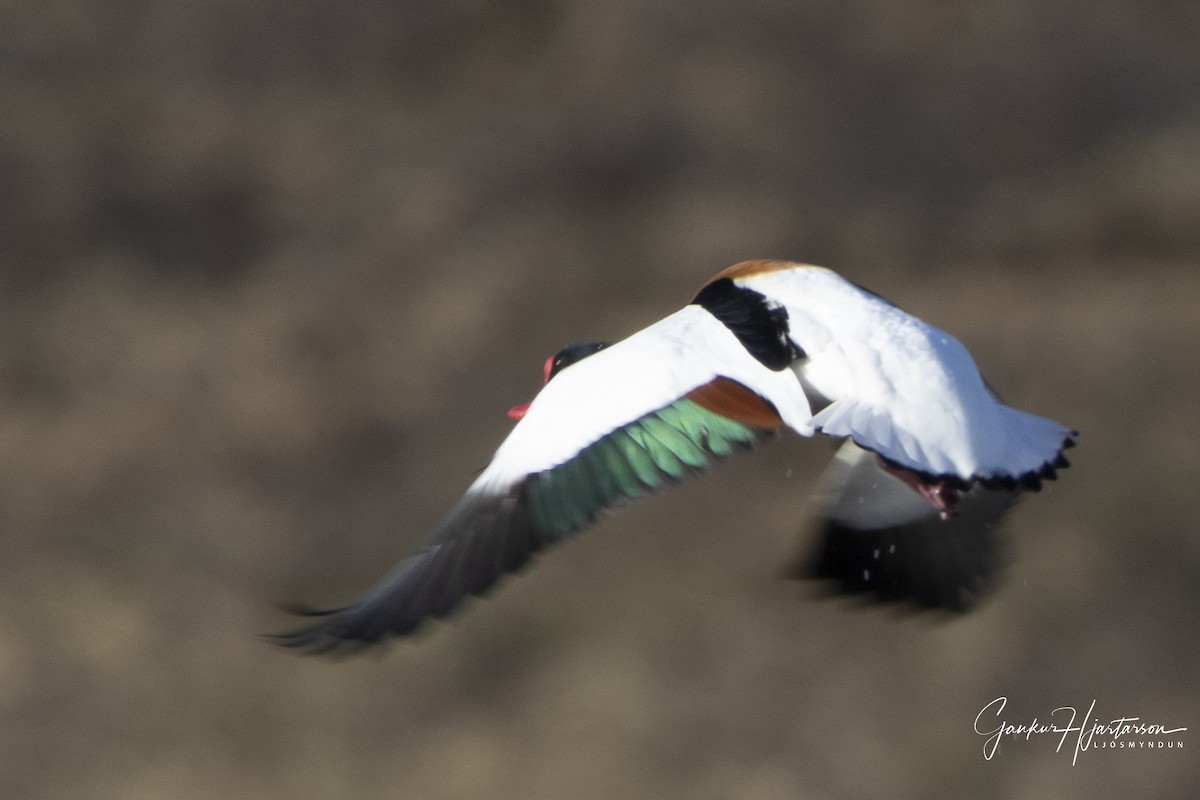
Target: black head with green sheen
557,363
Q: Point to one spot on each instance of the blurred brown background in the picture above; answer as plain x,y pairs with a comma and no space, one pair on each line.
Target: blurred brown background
271,273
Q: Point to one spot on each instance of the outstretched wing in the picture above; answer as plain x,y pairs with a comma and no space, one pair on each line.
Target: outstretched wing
653,409
879,539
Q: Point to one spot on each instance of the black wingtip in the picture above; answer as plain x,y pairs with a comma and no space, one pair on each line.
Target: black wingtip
314,638
327,634
299,609
929,564
867,566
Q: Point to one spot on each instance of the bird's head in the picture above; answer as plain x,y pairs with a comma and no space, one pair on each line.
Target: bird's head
555,364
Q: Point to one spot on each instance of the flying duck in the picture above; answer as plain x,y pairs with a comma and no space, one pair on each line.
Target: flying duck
932,458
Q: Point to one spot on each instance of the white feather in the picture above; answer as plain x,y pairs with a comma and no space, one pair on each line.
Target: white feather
900,386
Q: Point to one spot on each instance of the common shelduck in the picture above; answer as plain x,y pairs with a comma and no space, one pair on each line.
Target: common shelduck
932,460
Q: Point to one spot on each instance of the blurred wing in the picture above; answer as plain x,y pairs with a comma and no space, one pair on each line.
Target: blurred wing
636,416
880,539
